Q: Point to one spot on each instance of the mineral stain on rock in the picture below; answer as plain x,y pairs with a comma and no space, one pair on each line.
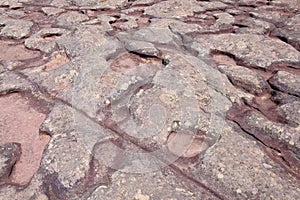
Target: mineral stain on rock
19,123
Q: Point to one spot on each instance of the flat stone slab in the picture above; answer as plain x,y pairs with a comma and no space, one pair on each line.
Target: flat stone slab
255,50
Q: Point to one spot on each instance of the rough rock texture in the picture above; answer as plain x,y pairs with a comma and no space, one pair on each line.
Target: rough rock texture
254,50
174,9
45,39
149,99
290,31
286,82
11,28
245,78
70,19
9,155
143,48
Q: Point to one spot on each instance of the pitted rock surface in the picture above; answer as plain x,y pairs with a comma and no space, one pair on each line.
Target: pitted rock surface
149,99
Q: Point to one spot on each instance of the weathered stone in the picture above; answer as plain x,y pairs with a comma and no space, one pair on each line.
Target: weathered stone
52,11
270,14
45,39
14,28
11,3
104,20
60,3
212,77
130,23
4,2
255,50
271,133
16,14
102,4
20,123
13,82
224,20
2,69
245,78
254,26
292,4
234,11
174,9
290,111
286,82
251,2
57,82
183,144
139,105
71,133
9,155
88,40
11,52
11,64
238,172
143,2
290,31
148,186
215,5
174,96
155,35
143,48
281,98
70,19
176,26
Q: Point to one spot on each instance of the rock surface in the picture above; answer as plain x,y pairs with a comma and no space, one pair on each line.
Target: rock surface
9,155
149,99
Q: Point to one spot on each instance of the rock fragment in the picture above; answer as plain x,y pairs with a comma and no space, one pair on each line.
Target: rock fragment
143,48
13,28
245,78
286,82
9,154
255,50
